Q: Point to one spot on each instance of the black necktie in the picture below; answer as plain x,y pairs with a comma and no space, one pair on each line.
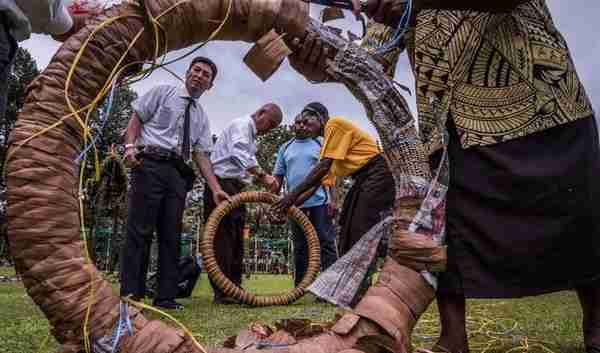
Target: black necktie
185,148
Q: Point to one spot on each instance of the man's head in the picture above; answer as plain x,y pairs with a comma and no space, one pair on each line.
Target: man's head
200,76
267,118
311,121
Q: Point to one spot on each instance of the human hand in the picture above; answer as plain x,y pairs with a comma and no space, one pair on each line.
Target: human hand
80,12
269,181
388,12
130,157
311,58
275,187
282,206
219,196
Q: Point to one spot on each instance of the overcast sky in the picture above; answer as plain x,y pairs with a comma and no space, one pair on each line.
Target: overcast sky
237,91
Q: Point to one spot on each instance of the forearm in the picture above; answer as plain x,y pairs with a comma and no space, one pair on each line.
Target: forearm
313,179
306,195
134,128
257,173
203,162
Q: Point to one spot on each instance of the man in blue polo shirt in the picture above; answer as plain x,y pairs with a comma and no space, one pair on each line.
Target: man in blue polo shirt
295,159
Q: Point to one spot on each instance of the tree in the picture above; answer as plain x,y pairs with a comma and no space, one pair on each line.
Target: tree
109,123
23,72
268,145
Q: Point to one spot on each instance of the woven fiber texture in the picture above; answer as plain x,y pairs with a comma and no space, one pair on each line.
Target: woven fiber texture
43,197
213,270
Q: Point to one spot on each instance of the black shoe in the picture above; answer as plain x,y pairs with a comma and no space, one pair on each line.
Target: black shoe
226,301
592,349
167,304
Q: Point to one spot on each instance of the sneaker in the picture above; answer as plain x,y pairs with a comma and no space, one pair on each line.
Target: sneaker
167,304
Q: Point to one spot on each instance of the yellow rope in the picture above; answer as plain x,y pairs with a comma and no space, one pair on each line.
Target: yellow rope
168,316
90,108
486,334
100,96
44,344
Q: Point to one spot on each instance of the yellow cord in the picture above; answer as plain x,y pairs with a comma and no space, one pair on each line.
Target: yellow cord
90,108
170,317
44,344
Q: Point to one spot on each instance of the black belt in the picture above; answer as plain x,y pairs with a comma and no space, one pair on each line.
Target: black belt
159,153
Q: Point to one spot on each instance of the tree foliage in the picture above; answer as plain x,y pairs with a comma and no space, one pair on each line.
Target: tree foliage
22,74
268,145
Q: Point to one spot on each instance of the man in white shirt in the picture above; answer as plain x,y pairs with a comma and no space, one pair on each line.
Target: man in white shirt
20,18
235,165
167,130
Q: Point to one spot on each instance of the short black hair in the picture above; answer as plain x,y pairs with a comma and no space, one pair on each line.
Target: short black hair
319,109
207,61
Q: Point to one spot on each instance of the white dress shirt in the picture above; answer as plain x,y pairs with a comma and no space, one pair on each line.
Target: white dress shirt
235,150
162,113
36,16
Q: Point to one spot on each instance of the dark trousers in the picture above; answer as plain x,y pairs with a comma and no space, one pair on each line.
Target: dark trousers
325,230
229,241
8,50
156,202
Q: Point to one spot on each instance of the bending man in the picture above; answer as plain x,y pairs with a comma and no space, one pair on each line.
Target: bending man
235,165
347,151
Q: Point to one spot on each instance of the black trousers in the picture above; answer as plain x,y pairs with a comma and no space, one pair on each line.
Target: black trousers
156,202
229,241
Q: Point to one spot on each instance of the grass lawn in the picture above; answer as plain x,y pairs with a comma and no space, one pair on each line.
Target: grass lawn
495,325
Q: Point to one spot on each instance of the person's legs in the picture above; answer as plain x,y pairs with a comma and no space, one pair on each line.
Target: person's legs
144,202
237,245
453,337
230,231
589,297
325,230
169,237
300,252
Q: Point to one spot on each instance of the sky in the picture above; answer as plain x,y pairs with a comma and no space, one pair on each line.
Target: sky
237,91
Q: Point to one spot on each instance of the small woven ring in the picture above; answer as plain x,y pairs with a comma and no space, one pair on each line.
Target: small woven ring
231,289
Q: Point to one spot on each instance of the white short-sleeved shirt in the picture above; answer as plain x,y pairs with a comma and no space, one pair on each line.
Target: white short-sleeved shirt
37,16
162,110
235,150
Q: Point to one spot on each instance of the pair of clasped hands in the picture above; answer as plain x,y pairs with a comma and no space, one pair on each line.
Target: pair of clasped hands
311,57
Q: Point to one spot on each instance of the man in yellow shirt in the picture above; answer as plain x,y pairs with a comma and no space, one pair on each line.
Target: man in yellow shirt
347,151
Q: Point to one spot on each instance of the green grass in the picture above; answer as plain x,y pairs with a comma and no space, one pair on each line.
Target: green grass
554,319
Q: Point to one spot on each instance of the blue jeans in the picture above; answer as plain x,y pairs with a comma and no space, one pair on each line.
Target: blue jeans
325,230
